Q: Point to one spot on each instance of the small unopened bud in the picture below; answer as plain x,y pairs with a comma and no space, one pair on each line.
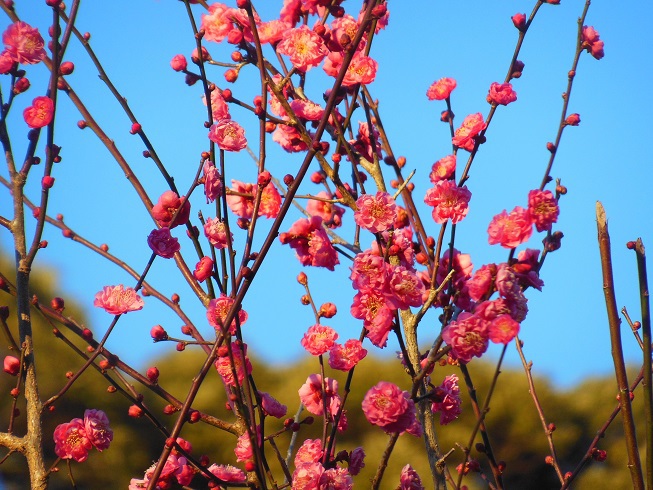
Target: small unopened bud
250,466
87,334
66,68
328,310
57,304
231,75
631,245
302,279
153,374
551,147
104,364
11,365
573,120
264,178
288,179
47,182
551,427
158,333
194,416
306,300
270,127
519,21
169,409
21,85
181,346
135,411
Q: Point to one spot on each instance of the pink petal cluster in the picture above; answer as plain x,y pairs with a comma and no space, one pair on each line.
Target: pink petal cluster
304,48
307,476
23,43
309,452
543,209
40,113
510,229
218,310
228,135
203,269
471,127
271,406
212,182
409,479
216,231
503,329
241,200
311,243
73,440
306,109
163,243
217,23
228,473
117,300
467,336
330,213
176,468
312,395
449,201
375,213
389,407
591,42
223,365
441,89
361,70
345,357
166,208
335,479
219,107
319,339
448,400
356,461
443,169
501,94
178,62
289,138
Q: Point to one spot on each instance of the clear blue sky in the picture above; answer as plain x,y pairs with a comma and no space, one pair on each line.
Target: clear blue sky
565,333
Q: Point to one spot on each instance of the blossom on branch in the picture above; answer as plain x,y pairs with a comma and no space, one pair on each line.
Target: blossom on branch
543,209
117,300
465,135
311,243
304,48
228,135
163,243
24,43
389,407
510,229
591,42
375,213
441,89
167,206
449,201
40,113
447,400
501,94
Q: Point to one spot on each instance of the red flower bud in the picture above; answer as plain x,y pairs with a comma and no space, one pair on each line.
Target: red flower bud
153,374
47,182
519,21
573,120
11,365
231,75
135,128
57,304
21,85
135,411
158,333
66,68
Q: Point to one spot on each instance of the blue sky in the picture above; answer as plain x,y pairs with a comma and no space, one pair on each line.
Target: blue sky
565,333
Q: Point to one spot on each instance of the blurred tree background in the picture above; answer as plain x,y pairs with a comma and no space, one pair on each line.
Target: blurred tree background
513,424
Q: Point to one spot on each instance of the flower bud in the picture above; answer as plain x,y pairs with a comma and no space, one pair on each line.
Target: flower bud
153,374
47,182
302,279
572,120
21,85
328,310
66,68
57,304
135,411
231,75
11,365
178,62
158,333
519,21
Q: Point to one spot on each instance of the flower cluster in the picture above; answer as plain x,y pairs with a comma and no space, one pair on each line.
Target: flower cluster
311,243
117,300
73,440
176,469
387,406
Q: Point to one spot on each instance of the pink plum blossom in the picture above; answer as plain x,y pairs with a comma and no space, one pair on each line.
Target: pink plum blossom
24,43
217,23
311,394
443,169
228,473
389,407
467,336
409,479
503,329
345,357
271,406
203,269
163,243
330,213
311,243
441,89
501,94
166,208
543,209
96,425
448,400
40,113
309,452
510,230
71,441
223,365
307,477
449,201
361,70
117,300
319,339
471,127
228,135
212,182
216,231
11,365
375,213
218,310
304,48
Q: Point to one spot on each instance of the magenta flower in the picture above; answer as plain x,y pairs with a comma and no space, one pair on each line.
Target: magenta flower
271,406
96,424
71,441
24,43
449,201
501,94
471,127
311,394
336,479
592,43
212,182
448,400
218,310
441,89
163,243
117,300
361,70
228,135
319,339
443,169
409,479
40,113
356,461
330,213
241,202
406,288
311,243
375,213
217,23
510,230
503,329
166,207
216,231
480,284
304,48
178,62
309,452
543,209
307,476
203,269
467,336
345,357
228,473
389,407
223,365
